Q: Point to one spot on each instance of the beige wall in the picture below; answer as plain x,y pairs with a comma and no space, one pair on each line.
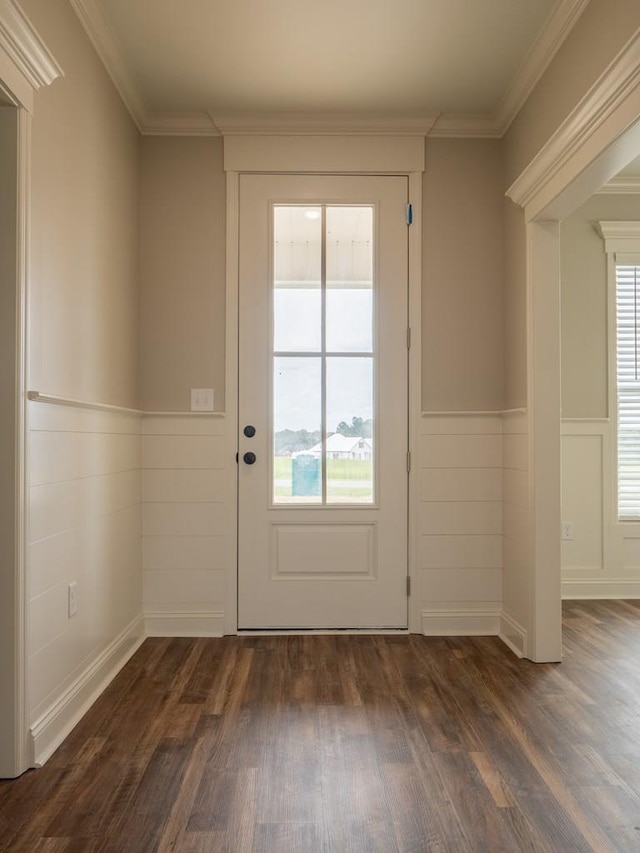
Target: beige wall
584,305
462,276
602,30
182,271
84,290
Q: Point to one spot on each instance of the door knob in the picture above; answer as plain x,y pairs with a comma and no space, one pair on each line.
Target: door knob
249,431
249,458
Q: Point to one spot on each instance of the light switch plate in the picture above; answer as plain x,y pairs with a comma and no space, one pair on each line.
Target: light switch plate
202,399
566,531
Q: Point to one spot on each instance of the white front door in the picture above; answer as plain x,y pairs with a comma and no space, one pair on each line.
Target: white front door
323,402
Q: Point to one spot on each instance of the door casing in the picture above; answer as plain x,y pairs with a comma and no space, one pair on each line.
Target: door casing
385,155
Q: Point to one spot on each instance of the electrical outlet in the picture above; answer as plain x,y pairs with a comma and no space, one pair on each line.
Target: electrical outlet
73,599
202,399
566,531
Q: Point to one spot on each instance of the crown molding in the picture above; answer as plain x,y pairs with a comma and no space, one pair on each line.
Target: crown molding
322,124
621,185
489,126
558,26
25,48
108,49
106,44
494,126
613,86
179,124
450,125
620,236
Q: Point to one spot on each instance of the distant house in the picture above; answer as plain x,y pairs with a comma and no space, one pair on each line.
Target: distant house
342,447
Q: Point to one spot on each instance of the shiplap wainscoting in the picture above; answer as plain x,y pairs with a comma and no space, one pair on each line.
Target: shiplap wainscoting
187,526
603,558
85,492
460,524
515,522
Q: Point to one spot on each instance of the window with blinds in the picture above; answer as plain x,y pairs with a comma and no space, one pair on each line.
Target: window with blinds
628,388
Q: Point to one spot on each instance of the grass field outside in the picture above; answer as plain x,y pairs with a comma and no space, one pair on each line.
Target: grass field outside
337,469
346,478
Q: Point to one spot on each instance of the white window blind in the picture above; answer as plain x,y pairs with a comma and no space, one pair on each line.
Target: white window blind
628,388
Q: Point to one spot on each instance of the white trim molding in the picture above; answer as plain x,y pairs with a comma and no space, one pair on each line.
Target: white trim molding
397,154
177,124
513,635
462,620
491,125
620,236
22,43
558,164
561,21
107,46
26,64
598,588
453,126
484,413
621,185
184,624
52,727
104,41
322,124
38,397
70,402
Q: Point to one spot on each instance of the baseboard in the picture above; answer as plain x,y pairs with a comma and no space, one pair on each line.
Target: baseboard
573,588
184,624
513,635
52,727
472,620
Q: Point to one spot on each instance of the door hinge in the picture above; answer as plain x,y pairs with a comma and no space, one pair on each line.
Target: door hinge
409,338
408,461
409,214
408,586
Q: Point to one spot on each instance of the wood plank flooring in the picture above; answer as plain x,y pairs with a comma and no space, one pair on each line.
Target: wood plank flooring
349,744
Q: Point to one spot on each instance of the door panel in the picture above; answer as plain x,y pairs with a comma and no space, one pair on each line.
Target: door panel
323,379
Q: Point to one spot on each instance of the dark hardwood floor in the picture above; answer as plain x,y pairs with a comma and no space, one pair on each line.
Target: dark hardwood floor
342,743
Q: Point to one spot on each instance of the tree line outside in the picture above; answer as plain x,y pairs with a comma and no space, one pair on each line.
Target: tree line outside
288,441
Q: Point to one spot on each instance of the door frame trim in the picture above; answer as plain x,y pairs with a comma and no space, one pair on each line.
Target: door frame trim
26,65
389,155
598,138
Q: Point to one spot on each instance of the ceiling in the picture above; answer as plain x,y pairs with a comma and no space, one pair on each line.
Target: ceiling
187,62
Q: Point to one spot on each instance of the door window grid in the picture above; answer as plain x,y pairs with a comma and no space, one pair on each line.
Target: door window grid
345,450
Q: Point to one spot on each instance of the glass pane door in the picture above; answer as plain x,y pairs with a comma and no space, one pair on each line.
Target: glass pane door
323,352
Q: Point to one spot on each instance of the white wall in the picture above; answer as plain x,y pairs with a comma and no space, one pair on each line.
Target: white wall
460,524
85,493
186,525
